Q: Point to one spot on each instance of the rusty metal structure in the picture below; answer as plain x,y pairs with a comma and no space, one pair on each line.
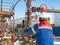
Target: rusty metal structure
6,11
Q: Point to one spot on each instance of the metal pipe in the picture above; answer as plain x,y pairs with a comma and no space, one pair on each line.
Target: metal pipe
53,10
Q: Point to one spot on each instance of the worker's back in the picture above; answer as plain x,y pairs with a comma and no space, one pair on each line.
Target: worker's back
44,34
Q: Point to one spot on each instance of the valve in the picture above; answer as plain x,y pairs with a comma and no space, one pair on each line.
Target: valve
34,9
43,8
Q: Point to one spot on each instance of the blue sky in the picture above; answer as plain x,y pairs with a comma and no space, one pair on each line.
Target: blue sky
20,8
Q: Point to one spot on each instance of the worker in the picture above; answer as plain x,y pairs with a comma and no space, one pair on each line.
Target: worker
44,35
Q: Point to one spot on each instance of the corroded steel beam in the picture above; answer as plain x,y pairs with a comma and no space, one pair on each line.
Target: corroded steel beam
6,13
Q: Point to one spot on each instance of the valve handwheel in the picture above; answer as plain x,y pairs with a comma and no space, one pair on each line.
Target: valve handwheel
43,8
